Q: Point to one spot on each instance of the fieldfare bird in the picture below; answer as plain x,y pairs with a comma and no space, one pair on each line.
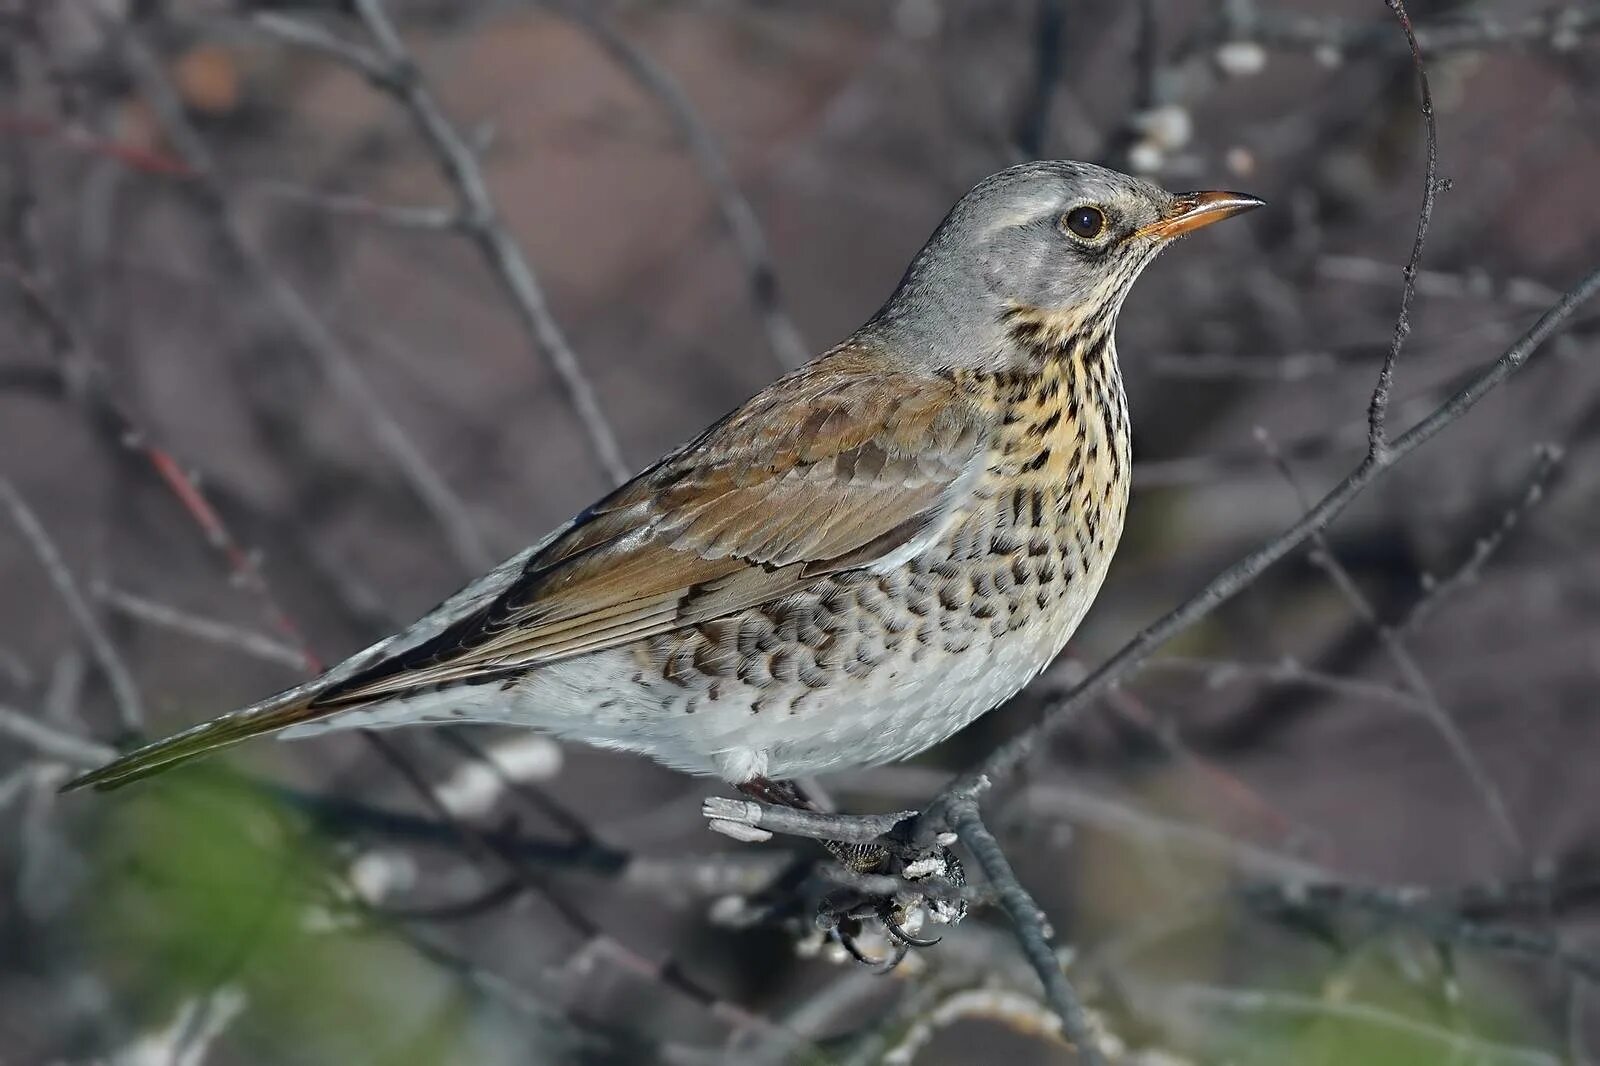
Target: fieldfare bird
861,559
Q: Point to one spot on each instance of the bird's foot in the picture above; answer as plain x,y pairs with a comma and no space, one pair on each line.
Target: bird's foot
886,882
928,893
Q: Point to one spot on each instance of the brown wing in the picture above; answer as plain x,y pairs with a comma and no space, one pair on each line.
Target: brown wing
833,467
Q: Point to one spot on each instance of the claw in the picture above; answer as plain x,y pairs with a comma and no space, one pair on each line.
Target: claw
897,932
878,966
841,915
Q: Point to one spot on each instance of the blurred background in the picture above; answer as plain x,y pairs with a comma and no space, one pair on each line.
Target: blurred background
309,311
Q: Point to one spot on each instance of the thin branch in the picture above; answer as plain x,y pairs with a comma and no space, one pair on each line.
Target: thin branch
84,378
50,741
1286,671
1420,910
1032,931
124,693
1475,286
1164,835
224,635
1548,458
313,38
1378,409
788,347
1017,1011
1416,679
390,67
160,164
314,336
846,828
401,216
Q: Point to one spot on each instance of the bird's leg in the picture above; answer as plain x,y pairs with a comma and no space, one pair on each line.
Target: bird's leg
779,793
860,858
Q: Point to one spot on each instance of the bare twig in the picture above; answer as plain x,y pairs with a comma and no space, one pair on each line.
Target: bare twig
1547,461
402,216
366,62
313,335
256,645
1033,932
783,336
857,829
124,693
1473,285
1421,910
1378,409
1286,671
151,161
83,377
1167,836
390,67
1416,679
51,741
1015,1010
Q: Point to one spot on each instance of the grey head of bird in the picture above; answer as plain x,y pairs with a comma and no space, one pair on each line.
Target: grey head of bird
1058,240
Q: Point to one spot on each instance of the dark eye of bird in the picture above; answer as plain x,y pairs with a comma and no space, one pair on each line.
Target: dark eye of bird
1086,222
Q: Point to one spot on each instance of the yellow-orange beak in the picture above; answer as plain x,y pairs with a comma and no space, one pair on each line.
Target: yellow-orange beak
1192,210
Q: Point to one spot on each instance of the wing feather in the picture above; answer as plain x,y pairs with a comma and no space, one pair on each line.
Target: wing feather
837,466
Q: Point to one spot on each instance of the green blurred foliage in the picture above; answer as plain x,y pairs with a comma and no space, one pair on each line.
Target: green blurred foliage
203,884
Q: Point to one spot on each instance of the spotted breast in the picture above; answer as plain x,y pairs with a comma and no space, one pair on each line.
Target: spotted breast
878,664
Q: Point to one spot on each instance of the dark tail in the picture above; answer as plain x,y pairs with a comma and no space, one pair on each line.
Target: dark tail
269,716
